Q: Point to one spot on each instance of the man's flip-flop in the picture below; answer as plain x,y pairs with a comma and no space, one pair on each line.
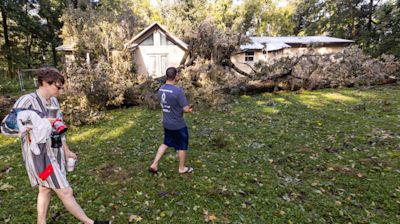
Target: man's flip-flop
189,170
153,171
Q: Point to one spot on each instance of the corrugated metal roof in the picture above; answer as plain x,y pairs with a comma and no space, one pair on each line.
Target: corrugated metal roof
277,43
270,46
254,45
301,39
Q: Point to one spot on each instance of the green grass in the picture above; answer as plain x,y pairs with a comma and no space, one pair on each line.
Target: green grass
329,156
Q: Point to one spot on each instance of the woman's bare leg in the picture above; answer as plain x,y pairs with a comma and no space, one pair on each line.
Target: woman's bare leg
68,199
43,201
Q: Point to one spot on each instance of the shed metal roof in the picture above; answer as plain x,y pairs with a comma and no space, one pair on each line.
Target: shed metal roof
132,44
277,43
65,47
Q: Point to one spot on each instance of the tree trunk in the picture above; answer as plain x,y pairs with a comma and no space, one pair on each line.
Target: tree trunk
29,50
352,21
238,70
371,8
53,44
74,3
28,44
53,49
182,63
6,38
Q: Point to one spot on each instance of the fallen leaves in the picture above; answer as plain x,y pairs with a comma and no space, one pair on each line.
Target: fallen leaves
209,217
135,218
302,164
345,170
7,187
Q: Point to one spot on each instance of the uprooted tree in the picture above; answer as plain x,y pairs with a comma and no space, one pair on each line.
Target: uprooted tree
212,46
216,84
346,69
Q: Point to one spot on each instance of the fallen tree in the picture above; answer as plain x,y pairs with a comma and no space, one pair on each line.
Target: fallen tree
347,69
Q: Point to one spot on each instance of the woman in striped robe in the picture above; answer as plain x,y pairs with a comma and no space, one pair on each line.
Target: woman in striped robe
50,83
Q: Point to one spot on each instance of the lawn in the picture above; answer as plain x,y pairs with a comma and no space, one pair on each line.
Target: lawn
329,156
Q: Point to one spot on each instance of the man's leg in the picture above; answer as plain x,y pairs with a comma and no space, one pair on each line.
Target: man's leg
182,157
160,153
68,199
43,202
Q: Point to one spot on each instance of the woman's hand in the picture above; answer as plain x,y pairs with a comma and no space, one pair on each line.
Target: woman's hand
51,120
70,154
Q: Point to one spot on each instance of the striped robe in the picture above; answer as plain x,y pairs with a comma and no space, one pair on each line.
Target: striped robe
55,156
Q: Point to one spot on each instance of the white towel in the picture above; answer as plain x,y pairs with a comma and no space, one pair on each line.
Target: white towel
40,128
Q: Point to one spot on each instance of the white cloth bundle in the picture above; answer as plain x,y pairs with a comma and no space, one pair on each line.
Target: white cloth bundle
40,128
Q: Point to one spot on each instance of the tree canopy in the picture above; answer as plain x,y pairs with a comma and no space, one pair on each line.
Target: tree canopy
32,29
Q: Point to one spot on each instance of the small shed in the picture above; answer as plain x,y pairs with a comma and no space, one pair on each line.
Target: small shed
155,49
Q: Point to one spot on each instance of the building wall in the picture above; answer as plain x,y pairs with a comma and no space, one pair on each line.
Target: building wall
155,59
297,51
239,59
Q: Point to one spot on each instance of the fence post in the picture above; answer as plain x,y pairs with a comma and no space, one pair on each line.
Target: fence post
21,81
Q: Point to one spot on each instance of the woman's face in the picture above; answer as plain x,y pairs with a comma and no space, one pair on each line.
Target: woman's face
53,89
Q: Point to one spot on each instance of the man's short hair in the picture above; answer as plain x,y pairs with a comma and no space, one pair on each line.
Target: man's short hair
171,73
49,75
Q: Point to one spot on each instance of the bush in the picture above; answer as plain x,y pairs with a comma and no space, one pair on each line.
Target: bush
92,88
77,110
8,85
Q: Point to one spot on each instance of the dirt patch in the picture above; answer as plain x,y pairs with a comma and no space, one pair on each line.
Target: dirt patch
110,171
345,170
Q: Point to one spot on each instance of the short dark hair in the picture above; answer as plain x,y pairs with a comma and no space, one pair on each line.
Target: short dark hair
49,75
171,73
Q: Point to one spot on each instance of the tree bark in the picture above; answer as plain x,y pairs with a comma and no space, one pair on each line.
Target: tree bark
53,49
29,50
238,70
371,8
74,3
53,44
182,63
6,37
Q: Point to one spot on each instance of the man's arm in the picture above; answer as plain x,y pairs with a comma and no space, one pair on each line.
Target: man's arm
183,102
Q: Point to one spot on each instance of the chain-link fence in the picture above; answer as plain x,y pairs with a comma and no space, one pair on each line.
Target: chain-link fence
27,79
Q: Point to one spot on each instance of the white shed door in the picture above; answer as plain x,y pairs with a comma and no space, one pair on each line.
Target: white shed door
152,65
157,64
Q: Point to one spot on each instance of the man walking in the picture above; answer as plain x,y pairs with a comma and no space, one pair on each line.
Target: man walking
173,103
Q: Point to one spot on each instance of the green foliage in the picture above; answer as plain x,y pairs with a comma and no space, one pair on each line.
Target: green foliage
101,33
292,157
32,37
8,85
387,30
91,89
210,42
374,25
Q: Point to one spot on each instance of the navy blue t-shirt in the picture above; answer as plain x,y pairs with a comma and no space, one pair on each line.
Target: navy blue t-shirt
172,100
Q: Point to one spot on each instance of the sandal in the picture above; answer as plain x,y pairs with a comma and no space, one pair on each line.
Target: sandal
189,170
153,171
